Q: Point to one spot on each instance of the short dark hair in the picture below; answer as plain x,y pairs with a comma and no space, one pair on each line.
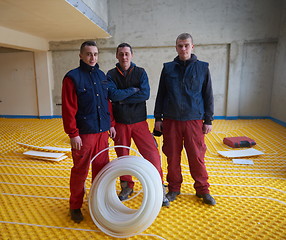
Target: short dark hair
184,36
122,45
87,43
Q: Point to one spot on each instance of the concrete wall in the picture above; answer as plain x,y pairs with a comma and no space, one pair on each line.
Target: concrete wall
99,7
158,22
240,40
278,103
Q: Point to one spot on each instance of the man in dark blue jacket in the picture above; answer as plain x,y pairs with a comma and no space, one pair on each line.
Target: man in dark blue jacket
128,90
185,103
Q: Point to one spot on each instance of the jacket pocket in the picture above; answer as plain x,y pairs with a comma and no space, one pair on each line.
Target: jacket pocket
85,96
86,123
194,83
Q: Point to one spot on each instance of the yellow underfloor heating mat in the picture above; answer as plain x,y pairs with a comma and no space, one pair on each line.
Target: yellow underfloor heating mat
251,198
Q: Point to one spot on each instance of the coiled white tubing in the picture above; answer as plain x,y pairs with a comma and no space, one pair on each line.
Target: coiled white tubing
108,213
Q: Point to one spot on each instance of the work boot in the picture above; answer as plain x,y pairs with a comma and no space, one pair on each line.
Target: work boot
76,215
172,195
207,198
166,202
125,191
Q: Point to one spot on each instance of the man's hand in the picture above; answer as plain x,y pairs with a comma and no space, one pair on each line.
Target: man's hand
207,128
112,132
76,143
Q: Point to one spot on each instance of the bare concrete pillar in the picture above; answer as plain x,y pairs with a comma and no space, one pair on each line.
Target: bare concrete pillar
44,81
235,70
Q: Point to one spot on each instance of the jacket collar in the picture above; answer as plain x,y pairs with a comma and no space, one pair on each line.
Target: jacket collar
86,67
184,63
119,69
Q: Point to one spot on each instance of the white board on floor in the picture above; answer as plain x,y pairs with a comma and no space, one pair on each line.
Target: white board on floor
48,148
45,155
242,161
240,153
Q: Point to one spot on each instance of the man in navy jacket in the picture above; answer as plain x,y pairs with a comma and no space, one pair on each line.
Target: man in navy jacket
184,113
128,90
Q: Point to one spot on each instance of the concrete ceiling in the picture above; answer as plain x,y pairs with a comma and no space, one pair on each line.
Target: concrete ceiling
52,20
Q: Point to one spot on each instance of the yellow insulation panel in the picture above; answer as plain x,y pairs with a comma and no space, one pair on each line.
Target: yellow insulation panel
251,199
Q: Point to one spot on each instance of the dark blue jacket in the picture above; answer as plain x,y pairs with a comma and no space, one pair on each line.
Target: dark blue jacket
185,91
92,90
128,93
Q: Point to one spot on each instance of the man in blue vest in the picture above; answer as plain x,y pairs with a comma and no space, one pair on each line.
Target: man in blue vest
184,113
86,119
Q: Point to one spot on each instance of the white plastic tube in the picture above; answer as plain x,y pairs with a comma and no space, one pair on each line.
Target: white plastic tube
107,211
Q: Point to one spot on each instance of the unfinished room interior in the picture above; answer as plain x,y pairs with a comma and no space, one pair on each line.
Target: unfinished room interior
244,42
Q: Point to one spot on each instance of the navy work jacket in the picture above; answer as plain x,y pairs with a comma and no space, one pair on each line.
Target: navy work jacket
128,92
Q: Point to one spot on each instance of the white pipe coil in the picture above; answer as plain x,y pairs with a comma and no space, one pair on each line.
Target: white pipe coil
107,211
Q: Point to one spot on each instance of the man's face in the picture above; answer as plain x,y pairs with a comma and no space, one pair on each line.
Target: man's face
124,57
184,48
89,55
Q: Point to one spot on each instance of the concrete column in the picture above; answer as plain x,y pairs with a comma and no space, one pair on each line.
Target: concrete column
235,70
44,80
278,101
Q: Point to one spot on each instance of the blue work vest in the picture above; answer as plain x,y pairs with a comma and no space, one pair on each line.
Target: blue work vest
92,94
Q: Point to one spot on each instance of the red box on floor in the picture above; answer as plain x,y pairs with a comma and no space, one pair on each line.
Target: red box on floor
238,142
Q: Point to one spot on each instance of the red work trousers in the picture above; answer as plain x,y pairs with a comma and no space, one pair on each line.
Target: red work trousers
91,145
188,134
144,141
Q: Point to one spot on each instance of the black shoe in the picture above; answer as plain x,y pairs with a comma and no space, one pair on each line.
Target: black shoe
165,202
125,191
172,195
76,215
207,198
